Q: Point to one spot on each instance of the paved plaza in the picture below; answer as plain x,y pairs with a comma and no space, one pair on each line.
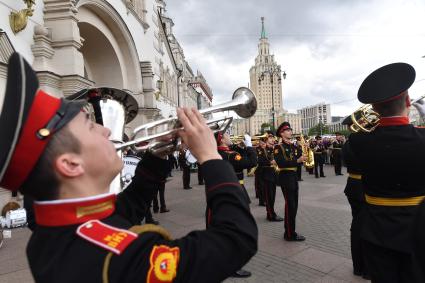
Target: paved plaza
323,217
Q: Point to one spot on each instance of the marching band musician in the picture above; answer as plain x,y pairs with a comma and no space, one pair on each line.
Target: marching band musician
267,178
336,153
259,191
185,166
239,161
285,157
355,195
248,153
392,193
52,151
299,149
318,149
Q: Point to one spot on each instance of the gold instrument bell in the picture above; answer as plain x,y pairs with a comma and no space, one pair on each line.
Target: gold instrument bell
307,152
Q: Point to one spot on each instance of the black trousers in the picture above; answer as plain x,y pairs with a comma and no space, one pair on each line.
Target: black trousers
289,185
186,176
337,164
299,167
390,266
318,164
269,190
200,175
161,191
357,253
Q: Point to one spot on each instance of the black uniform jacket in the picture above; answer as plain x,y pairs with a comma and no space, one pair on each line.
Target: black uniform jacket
57,252
286,157
242,159
354,187
391,160
265,156
318,149
336,149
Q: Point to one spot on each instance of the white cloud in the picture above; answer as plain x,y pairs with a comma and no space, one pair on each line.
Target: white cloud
326,47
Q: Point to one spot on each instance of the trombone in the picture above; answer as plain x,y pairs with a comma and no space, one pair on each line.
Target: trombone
243,103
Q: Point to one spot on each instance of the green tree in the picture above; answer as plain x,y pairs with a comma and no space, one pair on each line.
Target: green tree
266,127
319,129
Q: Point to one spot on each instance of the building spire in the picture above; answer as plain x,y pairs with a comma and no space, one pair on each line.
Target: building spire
263,29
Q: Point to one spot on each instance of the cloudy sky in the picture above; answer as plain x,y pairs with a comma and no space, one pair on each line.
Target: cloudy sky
326,47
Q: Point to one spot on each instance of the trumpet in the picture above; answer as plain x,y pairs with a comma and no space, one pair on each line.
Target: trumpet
365,119
243,103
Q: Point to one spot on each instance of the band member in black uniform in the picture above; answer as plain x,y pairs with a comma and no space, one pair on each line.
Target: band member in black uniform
336,153
51,150
299,154
355,195
185,166
259,190
285,157
393,191
267,178
318,148
239,161
246,151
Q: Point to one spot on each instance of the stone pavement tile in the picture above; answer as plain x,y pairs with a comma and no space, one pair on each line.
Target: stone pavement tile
313,258
22,276
330,279
279,247
12,253
345,271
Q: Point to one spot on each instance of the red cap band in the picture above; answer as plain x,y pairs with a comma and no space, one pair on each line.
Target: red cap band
29,147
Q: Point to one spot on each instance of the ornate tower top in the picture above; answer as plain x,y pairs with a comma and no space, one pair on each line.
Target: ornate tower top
263,29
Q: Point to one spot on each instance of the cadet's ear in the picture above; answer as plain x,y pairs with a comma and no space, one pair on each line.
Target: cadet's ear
69,165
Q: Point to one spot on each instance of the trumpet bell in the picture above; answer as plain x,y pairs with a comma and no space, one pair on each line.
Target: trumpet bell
247,102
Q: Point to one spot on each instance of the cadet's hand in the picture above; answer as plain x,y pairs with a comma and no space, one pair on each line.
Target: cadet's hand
197,135
301,159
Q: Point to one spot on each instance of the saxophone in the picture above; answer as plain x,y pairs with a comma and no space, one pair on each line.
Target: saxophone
308,153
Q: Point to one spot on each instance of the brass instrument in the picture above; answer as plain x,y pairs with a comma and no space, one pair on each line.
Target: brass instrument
365,119
243,103
308,153
112,108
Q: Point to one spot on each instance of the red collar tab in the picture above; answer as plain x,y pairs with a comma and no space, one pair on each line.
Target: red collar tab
30,146
73,211
107,237
223,148
393,121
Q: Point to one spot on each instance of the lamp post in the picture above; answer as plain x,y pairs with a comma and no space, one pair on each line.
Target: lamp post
272,72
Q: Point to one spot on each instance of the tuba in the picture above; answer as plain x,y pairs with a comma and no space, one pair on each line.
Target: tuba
113,108
365,119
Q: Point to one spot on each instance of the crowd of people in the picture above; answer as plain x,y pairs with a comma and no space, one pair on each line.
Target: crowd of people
54,154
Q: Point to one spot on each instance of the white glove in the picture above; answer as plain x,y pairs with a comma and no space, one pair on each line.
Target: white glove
420,106
247,140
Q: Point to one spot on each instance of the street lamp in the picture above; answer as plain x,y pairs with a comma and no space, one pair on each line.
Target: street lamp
272,72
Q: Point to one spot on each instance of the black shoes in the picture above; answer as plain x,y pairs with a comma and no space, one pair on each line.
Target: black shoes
300,180
152,221
362,274
277,218
241,274
261,204
340,174
296,238
164,210
187,188
323,176
201,183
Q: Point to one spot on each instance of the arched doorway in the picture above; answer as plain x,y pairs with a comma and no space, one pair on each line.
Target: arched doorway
110,55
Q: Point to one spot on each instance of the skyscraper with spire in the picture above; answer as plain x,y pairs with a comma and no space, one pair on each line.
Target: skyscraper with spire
266,82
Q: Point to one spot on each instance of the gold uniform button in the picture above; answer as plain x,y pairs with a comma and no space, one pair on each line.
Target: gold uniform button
44,132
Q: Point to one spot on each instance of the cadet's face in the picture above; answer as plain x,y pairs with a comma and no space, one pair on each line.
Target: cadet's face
99,156
287,134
